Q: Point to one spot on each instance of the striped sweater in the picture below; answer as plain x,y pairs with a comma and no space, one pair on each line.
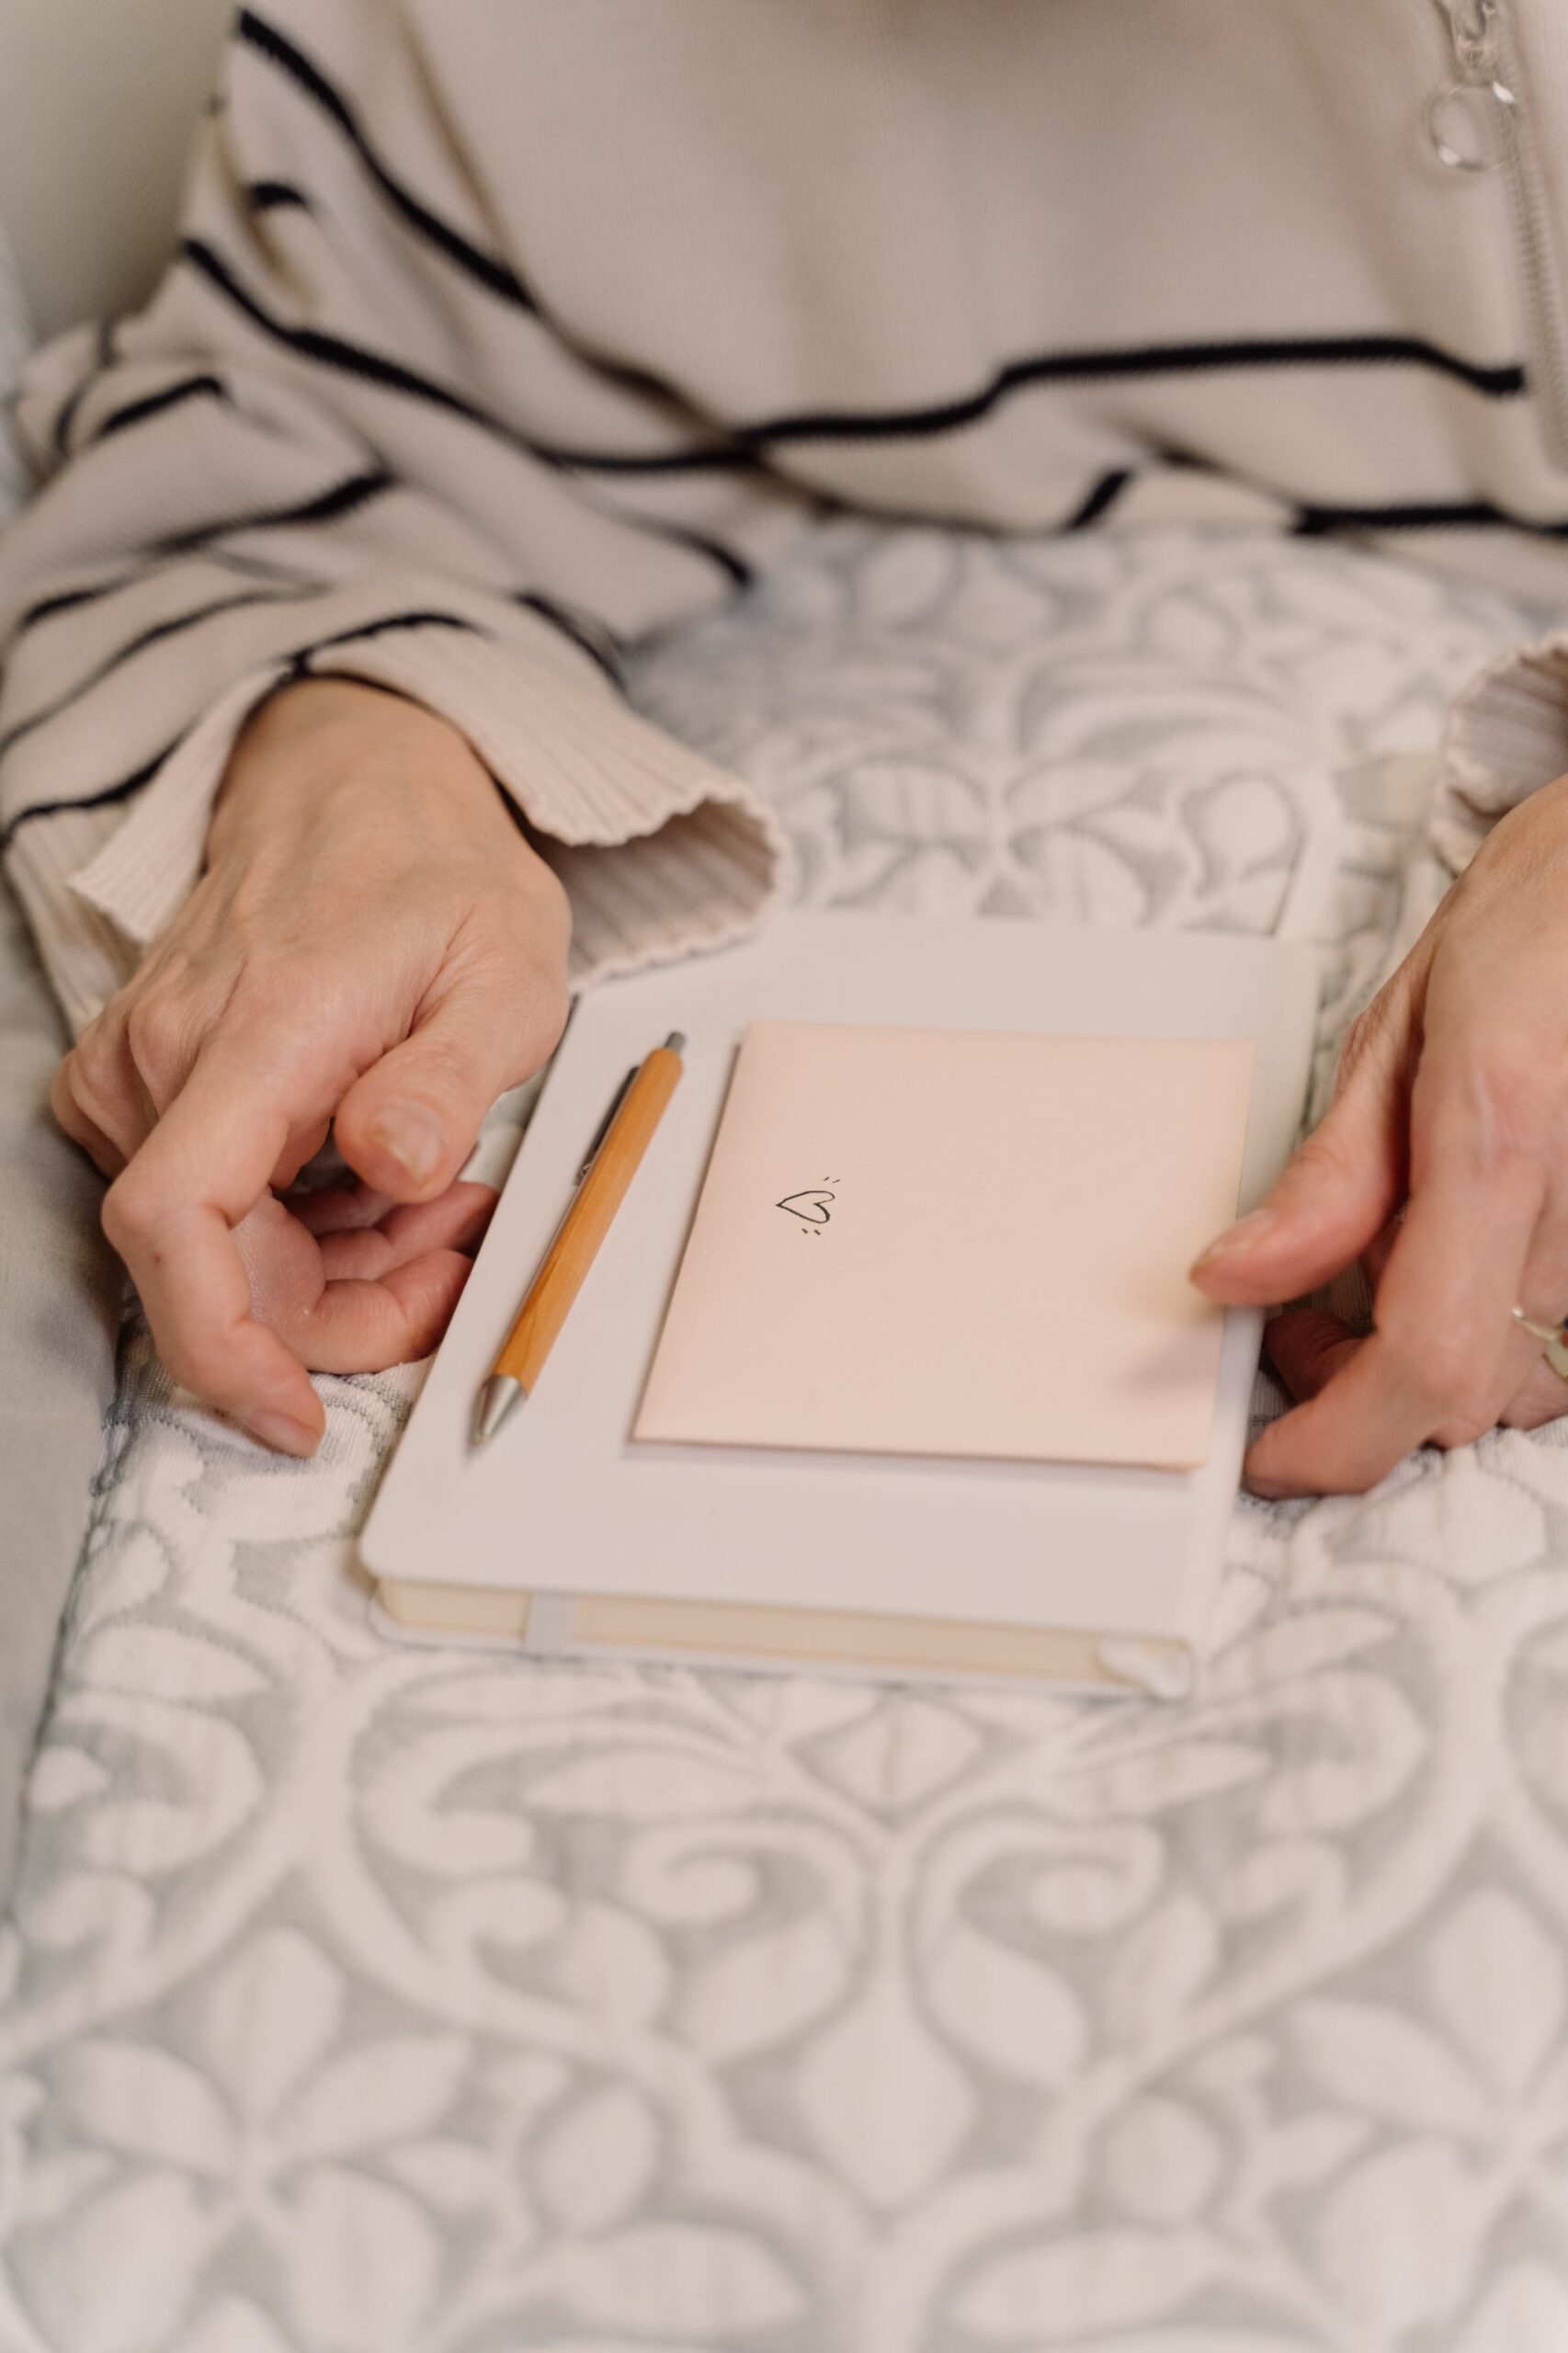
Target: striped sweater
502,332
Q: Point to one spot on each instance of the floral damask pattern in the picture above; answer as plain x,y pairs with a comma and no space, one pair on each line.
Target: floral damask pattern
361,1997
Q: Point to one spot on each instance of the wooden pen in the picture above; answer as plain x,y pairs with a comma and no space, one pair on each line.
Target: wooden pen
612,1163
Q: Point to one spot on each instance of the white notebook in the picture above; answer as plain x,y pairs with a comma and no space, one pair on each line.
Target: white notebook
680,1486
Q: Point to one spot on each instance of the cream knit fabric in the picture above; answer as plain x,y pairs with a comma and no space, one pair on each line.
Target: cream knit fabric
502,335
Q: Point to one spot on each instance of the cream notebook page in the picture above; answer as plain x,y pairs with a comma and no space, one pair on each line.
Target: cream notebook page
957,1242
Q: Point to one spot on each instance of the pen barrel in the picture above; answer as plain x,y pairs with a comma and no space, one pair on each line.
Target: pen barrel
576,1244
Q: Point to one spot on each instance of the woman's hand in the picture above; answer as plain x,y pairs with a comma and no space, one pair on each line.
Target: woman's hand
372,948
1444,1162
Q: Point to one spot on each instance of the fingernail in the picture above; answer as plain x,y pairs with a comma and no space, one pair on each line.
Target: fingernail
282,1431
1247,1233
412,1134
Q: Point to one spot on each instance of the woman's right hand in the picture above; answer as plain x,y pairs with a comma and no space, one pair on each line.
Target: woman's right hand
373,948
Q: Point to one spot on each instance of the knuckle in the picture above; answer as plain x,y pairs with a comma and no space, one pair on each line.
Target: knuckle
89,1094
192,1367
1441,1370
1366,1034
533,925
1328,1158
518,993
63,1100
447,1065
269,989
158,1033
94,1053
1326,1152
1503,1102
1354,1046
1522,1105
1536,1407
543,991
130,1213
1463,1430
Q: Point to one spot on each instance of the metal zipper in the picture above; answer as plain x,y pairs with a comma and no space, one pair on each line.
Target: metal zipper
1478,122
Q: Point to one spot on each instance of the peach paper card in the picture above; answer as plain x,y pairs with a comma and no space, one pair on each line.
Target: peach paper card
954,1242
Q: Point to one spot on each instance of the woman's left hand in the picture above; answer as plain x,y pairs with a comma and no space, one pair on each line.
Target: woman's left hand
1443,1161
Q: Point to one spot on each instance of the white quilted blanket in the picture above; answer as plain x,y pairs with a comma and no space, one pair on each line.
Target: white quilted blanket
361,1999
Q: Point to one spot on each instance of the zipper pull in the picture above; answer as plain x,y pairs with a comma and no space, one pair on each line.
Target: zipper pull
1471,117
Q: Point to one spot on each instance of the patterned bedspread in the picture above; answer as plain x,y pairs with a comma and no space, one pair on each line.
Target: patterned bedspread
362,1998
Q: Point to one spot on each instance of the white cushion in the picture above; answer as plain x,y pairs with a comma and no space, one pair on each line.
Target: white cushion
98,102
15,343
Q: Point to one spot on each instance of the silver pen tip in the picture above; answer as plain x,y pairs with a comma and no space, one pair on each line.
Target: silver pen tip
497,1401
675,1042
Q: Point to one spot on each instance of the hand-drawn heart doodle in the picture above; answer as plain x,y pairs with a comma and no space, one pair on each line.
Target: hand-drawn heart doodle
815,1212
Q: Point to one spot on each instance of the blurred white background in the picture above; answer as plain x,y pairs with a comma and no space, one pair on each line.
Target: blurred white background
99,99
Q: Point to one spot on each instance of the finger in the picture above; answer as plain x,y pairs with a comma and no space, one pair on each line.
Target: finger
1444,1358
99,1099
171,1216
304,1142
1307,1346
100,1148
1541,1398
1336,1192
408,1126
454,1222
349,1208
370,1326
1543,1395
339,1208
1375,1254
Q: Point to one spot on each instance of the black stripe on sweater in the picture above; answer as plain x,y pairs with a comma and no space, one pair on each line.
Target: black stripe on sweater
490,269
173,627
577,631
600,650
349,358
747,446
391,375
68,599
66,416
1313,521
189,388
342,498
1308,518
739,571
1102,496
296,664
277,195
103,798
347,497
1505,381
66,602
381,628
702,457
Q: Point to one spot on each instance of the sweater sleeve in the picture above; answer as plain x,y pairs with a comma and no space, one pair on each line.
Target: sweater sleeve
345,439
1506,734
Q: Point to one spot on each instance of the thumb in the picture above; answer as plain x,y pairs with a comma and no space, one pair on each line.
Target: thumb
409,1123
1336,1192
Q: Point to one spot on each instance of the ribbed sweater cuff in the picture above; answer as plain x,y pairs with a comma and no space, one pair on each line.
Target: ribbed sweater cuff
1506,734
660,851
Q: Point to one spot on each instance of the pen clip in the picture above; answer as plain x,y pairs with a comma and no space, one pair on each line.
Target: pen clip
617,1100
